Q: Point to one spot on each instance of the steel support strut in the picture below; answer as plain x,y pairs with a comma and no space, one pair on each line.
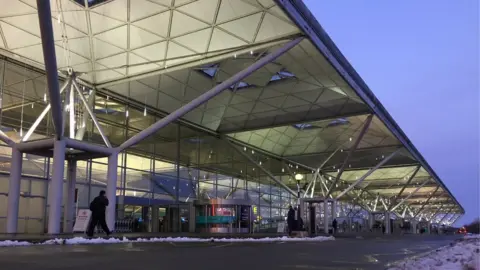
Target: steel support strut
436,212
50,60
43,113
208,95
90,112
4,138
83,127
426,202
380,164
455,220
269,174
350,152
406,184
448,213
410,195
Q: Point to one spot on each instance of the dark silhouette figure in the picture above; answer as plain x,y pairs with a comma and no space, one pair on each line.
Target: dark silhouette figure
290,219
98,207
334,226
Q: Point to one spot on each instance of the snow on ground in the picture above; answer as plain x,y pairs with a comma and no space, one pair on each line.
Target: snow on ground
9,243
84,241
472,236
463,255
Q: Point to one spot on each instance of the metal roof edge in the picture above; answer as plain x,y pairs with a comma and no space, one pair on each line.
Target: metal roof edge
304,19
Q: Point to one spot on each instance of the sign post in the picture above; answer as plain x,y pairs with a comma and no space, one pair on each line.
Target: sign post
82,220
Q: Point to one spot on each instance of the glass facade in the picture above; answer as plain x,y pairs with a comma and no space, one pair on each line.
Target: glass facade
178,164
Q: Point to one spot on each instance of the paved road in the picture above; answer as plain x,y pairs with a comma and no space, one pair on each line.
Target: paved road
339,254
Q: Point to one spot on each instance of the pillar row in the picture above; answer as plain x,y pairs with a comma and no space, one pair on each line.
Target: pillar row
112,190
14,191
55,196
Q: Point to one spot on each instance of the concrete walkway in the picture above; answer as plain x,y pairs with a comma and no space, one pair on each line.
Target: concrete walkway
341,254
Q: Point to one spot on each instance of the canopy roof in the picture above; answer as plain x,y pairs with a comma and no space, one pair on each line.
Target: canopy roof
161,54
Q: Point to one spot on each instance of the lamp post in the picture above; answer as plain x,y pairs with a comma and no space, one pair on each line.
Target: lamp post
298,177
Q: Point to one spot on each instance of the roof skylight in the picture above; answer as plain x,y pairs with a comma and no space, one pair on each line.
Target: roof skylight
283,74
209,70
305,126
338,122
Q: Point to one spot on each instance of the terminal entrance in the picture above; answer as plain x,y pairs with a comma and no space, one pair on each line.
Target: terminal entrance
155,218
223,216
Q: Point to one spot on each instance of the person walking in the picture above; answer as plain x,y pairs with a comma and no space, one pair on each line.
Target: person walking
290,219
334,226
98,207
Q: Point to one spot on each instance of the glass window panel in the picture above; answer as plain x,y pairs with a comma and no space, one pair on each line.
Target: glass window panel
239,194
138,180
33,165
164,167
138,162
265,199
207,189
81,174
223,191
140,194
265,214
99,174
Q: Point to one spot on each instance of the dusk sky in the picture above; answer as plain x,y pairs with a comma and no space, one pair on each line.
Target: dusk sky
421,59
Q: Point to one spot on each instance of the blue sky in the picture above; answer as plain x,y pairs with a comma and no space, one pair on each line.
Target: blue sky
421,59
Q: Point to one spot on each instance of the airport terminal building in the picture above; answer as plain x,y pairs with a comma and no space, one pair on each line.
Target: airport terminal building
194,116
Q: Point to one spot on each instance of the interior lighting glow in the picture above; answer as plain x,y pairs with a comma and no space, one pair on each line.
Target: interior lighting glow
298,176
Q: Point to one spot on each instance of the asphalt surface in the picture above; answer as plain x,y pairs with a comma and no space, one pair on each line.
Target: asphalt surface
339,254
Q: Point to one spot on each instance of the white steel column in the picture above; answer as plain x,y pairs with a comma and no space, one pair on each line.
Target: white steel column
56,188
14,191
325,216
334,210
371,220
413,224
69,209
112,190
387,223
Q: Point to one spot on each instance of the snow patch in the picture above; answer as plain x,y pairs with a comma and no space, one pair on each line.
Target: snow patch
465,254
88,241
9,243
472,236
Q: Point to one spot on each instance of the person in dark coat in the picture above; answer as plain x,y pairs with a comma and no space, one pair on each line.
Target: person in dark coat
290,219
98,207
334,226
